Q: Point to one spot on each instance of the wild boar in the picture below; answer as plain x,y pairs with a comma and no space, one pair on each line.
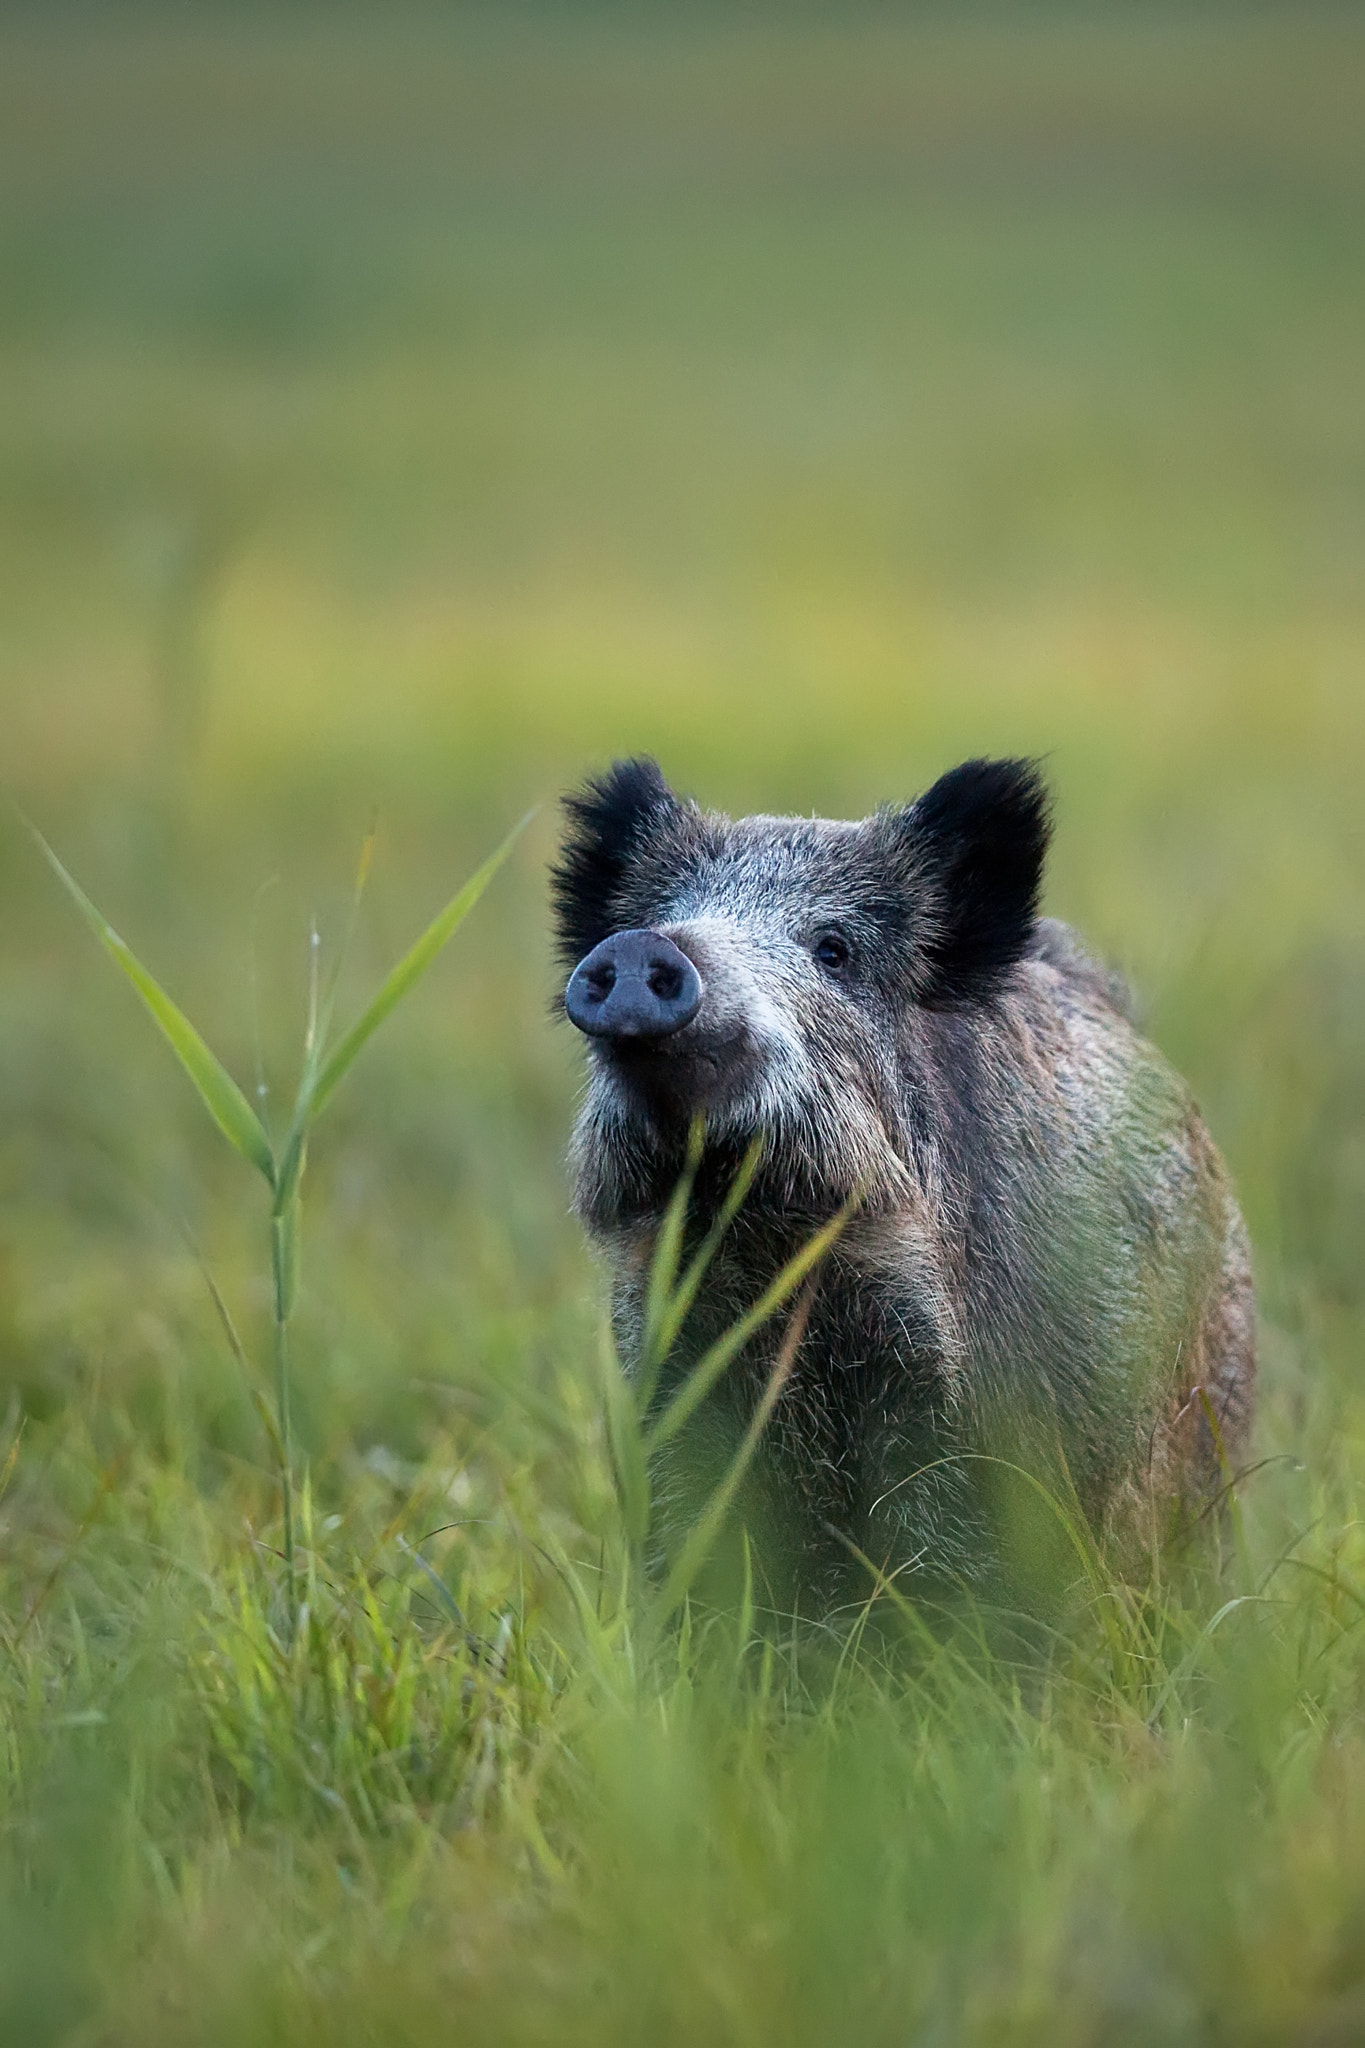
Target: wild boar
1045,1270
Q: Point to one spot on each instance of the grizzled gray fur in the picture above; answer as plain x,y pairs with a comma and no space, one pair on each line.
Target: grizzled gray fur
1046,1265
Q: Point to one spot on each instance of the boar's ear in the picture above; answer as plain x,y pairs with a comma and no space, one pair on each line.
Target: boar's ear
980,837
606,821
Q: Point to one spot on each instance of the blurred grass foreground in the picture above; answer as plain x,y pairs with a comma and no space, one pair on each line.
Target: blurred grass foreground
401,412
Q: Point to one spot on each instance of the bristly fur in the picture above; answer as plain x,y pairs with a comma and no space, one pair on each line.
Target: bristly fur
1047,1263
982,832
606,822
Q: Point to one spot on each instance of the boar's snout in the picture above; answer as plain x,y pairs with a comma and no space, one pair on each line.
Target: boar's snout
635,985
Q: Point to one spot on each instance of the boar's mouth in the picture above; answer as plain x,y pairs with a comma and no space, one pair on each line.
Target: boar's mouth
675,1078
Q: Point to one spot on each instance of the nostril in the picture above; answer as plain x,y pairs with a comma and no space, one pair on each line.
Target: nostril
633,985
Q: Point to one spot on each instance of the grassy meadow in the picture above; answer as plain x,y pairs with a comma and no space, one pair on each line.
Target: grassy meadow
401,413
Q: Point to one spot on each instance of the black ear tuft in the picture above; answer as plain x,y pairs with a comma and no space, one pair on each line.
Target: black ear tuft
981,835
607,820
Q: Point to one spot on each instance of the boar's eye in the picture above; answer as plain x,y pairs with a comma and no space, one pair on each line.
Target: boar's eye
831,951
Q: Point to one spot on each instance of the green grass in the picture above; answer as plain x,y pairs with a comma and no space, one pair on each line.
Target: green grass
404,413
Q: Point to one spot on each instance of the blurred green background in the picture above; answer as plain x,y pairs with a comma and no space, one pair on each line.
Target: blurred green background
408,410
403,411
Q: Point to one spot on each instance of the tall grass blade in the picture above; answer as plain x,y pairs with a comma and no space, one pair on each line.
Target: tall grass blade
1179,1673
706,1528
445,1599
239,1352
663,1266
284,1246
221,1096
362,876
321,1004
662,1331
409,970
1106,1591
966,1675
713,1363
284,1272
744,1626
625,1443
